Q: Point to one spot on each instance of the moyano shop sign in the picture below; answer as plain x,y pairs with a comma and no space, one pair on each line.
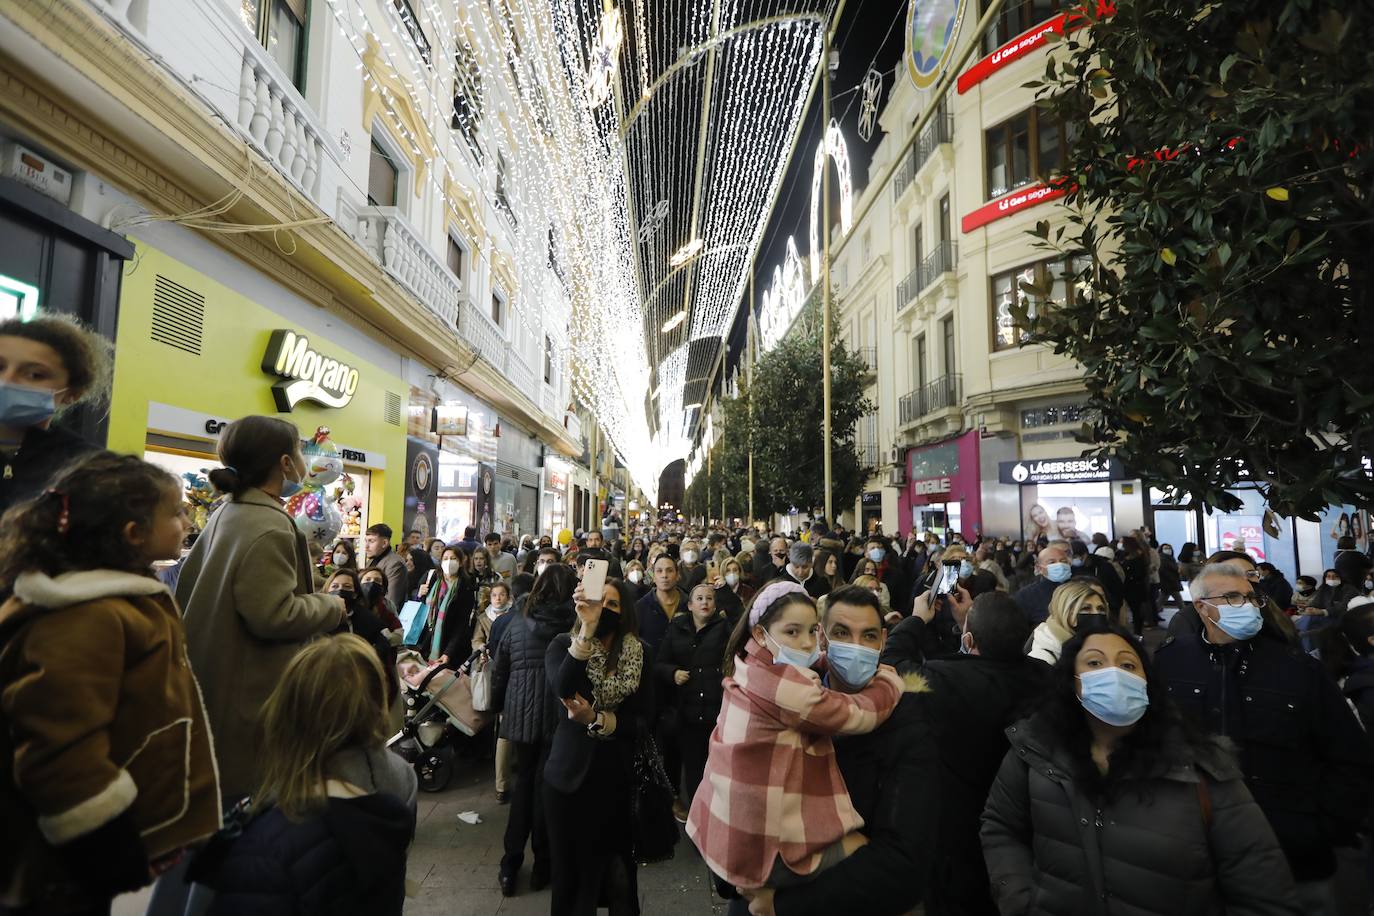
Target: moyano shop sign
307,374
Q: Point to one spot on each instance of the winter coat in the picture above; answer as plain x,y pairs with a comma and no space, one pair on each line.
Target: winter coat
1196,843
771,788
700,653
397,576
102,718
574,752
1305,758
25,472
1278,588
893,778
529,710
1102,569
1044,645
653,620
248,607
816,586
455,601
1170,582
347,860
1334,599
911,642
1136,580
1358,687
732,601
1034,599
970,703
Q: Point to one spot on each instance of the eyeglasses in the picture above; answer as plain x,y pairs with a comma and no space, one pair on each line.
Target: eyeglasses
1234,599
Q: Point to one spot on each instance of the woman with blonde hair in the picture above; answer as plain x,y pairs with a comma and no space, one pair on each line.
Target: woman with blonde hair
873,585
334,811
1077,605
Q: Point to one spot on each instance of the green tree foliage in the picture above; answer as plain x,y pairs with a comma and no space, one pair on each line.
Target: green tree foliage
1221,166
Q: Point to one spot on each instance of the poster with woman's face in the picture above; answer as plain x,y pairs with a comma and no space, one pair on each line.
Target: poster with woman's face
1070,512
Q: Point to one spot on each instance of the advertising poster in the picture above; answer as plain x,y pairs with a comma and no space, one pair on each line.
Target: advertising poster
422,487
484,506
1074,512
1341,521
1242,532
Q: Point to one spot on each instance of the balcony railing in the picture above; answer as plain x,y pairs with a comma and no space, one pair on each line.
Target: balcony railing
520,373
276,123
939,130
548,399
868,455
869,357
574,427
944,257
385,234
483,336
939,394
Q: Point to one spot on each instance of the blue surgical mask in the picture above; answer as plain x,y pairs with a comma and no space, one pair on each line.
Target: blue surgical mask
877,554
1240,622
290,488
782,655
23,406
1058,572
1076,562
965,569
1114,696
855,664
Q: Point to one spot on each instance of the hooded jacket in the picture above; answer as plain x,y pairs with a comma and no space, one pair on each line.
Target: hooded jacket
529,710
1188,840
349,859
102,718
700,653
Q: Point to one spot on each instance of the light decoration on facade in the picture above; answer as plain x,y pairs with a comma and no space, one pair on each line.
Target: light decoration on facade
673,322
783,301
872,92
605,56
833,146
584,173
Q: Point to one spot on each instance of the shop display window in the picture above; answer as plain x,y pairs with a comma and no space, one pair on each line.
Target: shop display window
1072,511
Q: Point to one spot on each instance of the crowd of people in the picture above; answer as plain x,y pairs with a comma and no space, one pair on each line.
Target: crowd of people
846,723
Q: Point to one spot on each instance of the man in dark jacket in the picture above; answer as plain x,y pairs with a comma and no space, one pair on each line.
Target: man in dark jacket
1051,568
891,572
650,611
469,543
893,777
1306,760
799,569
1275,585
381,556
973,697
770,559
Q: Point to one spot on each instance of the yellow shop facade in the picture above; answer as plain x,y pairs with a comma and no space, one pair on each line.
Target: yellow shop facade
194,353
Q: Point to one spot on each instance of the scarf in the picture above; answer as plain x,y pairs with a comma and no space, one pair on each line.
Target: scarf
610,690
493,613
436,638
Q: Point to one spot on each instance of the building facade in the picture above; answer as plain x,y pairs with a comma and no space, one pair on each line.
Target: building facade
351,172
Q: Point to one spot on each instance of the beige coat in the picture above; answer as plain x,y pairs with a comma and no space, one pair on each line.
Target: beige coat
249,606
103,718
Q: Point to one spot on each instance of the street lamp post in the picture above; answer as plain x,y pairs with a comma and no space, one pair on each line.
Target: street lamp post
825,267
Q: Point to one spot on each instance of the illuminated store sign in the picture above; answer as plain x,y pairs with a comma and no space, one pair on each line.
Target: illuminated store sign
307,374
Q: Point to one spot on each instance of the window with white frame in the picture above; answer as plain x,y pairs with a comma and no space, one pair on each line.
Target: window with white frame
467,97
498,309
383,176
281,27
457,259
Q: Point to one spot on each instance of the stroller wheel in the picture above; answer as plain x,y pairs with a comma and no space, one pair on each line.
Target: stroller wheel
434,769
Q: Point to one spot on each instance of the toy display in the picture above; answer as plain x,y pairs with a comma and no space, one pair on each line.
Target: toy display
312,510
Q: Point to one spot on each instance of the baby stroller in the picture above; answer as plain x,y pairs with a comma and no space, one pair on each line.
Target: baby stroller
438,709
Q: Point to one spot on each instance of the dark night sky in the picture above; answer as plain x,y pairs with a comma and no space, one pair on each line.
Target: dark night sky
871,32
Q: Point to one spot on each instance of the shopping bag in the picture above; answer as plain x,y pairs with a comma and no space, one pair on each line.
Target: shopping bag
480,673
413,616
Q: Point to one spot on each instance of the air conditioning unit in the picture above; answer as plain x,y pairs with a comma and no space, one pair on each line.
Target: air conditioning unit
896,477
895,455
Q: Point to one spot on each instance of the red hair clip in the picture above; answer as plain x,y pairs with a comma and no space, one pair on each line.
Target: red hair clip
64,519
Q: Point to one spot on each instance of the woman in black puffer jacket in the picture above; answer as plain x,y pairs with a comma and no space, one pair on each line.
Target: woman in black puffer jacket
530,714
1106,804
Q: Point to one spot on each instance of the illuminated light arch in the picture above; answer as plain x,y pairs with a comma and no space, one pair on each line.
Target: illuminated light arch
783,301
834,145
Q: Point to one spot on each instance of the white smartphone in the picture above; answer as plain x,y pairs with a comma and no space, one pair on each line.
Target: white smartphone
594,579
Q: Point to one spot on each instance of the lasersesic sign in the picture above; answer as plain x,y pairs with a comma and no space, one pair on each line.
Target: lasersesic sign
1062,470
307,375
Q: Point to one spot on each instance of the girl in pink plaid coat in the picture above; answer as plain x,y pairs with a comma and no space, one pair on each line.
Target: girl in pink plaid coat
773,806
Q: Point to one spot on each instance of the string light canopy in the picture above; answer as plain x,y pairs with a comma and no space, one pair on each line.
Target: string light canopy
637,159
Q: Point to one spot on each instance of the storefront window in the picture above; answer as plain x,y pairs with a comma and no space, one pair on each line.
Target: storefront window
1072,511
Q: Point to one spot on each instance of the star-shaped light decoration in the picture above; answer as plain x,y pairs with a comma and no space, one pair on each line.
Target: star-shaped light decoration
872,91
605,57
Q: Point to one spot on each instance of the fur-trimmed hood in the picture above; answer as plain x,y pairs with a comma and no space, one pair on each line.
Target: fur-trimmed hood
35,592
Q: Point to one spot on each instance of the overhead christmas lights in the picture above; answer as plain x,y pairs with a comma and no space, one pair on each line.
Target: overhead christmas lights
673,322
833,146
685,253
605,56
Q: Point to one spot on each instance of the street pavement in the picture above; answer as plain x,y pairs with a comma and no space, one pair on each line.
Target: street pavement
452,866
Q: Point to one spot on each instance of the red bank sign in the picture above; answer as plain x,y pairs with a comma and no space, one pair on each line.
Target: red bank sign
1012,203
1025,43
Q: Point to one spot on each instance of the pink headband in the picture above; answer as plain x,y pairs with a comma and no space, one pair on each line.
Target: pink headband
770,593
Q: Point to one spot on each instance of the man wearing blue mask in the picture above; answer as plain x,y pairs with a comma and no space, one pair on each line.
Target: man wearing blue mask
1306,759
893,777
1051,570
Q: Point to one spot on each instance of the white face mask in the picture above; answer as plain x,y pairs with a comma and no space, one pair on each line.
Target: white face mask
732,579
450,568
689,556
635,576
340,558
540,567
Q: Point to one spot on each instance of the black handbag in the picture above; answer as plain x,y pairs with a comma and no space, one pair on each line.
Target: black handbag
651,804
207,861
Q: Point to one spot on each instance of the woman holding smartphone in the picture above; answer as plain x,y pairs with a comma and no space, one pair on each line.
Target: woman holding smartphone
597,672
